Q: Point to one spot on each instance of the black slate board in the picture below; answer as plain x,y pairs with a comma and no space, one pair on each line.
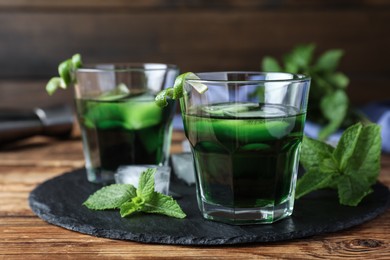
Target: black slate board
58,201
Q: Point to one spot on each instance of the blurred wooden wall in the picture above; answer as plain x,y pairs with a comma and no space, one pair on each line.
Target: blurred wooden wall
197,35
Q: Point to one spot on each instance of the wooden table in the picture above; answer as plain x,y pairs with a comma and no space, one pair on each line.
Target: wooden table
25,236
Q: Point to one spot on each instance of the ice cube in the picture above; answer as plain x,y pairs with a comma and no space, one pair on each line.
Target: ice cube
183,167
130,174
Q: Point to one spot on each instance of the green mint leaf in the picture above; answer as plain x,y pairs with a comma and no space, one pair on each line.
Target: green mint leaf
130,200
270,64
365,161
165,205
329,60
299,58
76,61
352,168
162,96
313,152
314,180
53,84
334,107
64,70
145,188
176,92
352,189
346,146
338,79
110,197
130,207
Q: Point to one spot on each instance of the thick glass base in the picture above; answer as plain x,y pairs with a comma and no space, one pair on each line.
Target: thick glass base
100,176
246,216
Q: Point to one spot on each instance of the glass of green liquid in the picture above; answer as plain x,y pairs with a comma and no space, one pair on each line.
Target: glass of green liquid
245,133
119,120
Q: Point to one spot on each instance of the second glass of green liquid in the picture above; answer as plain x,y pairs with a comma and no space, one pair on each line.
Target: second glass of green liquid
119,120
245,133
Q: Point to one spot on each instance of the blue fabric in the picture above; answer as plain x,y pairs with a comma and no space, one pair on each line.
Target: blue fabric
378,113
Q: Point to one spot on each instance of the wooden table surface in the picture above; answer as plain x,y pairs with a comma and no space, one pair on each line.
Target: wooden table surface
25,236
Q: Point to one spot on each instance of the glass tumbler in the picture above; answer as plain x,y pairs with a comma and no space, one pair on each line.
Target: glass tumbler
119,120
245,133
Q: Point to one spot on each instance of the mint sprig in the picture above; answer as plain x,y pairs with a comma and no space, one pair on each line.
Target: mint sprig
351,168
328,100
131,200
176,92
66,71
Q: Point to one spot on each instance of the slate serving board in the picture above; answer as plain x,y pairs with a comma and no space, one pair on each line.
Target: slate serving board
58,201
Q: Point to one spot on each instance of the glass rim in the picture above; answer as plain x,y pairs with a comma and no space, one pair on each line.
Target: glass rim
125,67
296,77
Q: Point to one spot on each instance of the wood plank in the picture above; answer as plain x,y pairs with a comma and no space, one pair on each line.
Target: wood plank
33,237
218,40
158,4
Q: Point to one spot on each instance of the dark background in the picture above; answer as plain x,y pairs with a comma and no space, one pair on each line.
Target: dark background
197,35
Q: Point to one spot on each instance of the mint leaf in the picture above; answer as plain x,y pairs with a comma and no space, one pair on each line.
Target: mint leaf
130,200
145,188
334,107
329,60
338,79
162,204
311,181
176,92
135,205
326,81
66,71
365,161
313,152
128,208
352,189
110,197
346,146
270,64
300,57
53,84
351,168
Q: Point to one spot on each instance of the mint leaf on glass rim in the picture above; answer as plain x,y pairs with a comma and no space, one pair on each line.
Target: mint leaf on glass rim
66,71
176,92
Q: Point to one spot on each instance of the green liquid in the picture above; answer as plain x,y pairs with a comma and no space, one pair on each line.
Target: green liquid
126,131
246,155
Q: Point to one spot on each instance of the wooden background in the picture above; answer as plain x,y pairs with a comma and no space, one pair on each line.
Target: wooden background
197,35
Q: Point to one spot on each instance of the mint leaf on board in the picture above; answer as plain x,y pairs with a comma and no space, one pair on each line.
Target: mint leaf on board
366,162
135,205
145,188
131,200
351,168
110,197
313,152
165,205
